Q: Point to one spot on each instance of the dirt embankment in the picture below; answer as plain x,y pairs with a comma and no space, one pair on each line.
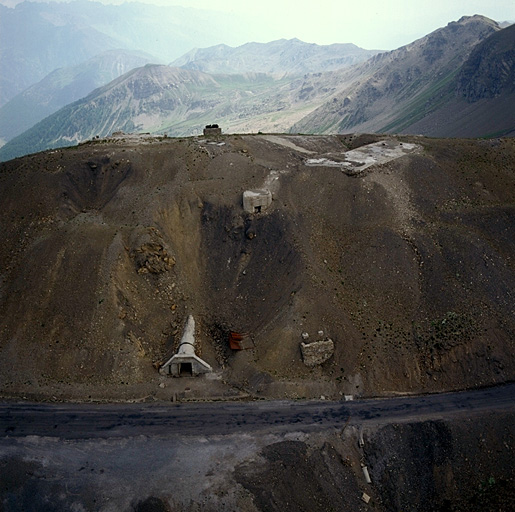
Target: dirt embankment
428,466
407,266
463,465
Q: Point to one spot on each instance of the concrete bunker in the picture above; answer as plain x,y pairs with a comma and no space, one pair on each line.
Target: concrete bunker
185,363
255,201
212,130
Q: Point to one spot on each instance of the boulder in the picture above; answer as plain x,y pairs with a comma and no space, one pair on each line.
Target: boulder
317,352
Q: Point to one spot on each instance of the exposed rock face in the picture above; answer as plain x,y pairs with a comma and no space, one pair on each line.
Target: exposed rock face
317,352
490,69
150,254
393,90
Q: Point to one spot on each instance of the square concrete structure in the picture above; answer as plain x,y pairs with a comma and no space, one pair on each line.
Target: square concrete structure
212,130
189,365
255,201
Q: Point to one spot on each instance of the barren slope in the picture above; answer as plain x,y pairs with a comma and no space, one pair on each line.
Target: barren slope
395,90
406,266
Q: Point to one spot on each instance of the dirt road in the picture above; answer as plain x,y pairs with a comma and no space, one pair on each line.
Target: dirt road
278,455
81,421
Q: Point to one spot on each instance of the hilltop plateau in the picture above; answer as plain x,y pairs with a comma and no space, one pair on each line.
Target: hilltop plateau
398,249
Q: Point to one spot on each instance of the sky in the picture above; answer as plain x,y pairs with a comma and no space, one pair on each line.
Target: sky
371,24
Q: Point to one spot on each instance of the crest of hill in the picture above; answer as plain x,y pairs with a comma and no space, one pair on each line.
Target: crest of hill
281,56
392,91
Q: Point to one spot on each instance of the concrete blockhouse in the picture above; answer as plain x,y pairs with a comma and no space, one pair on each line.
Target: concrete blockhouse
212,130
255,201
185,363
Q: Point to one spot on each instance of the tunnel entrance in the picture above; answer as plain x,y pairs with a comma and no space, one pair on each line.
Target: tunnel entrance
185,370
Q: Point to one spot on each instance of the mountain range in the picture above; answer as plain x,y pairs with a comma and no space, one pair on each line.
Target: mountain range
282,56
37,38
68,84
64,86
458,80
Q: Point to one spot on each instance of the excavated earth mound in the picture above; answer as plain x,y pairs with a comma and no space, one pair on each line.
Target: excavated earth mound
406,263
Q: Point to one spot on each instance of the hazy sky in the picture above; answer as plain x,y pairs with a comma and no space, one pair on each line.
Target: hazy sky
371,24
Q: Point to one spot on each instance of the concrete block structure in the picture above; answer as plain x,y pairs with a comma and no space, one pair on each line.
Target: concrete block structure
255,201
185,363
212,130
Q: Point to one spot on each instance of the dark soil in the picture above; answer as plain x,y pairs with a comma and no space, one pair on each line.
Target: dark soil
107,247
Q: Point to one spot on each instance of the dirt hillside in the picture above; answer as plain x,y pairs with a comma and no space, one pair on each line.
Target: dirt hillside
407,265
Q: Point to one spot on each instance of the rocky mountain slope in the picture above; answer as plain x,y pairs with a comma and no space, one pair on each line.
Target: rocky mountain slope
162,99
64,86
405,263
283,56
36,38
483,93
394,90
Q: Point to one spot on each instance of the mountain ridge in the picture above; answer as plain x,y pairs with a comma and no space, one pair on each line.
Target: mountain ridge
64,86
396,82
408,89
280,56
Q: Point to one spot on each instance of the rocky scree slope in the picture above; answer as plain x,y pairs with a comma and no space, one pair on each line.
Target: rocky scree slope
392,91
407,266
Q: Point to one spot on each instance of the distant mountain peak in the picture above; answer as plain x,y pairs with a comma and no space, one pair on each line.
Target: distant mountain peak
282,55
397,90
